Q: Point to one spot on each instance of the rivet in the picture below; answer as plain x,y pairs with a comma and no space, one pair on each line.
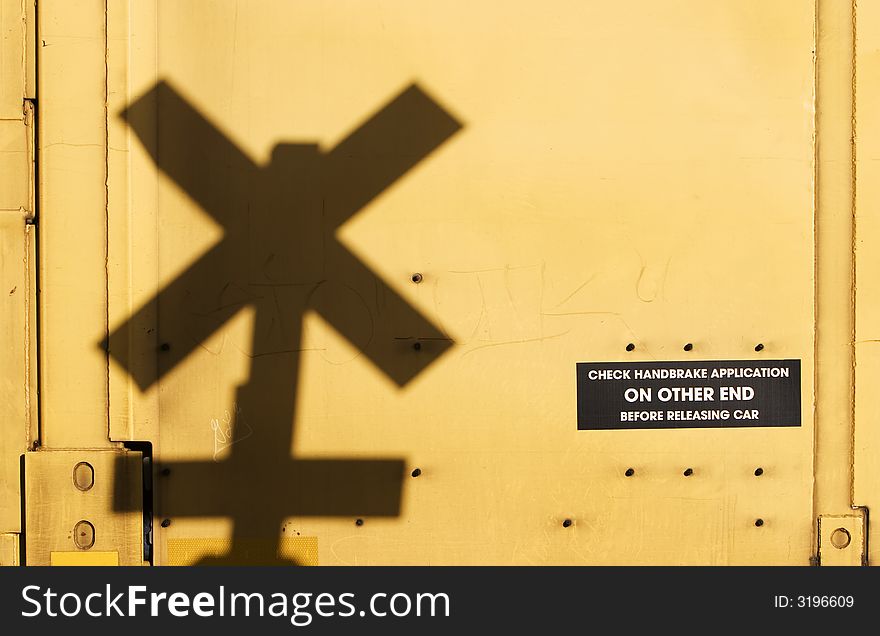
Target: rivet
566,523
840,538
759,522
165,523
416,472
417,346
759,471
688,472
416,278
359,522
688,347
165,347
630,347
759,347
629,472
165,472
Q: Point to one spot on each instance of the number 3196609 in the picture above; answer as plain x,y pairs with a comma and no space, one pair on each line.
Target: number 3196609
813,601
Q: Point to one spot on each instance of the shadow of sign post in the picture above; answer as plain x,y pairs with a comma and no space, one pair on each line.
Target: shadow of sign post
279,255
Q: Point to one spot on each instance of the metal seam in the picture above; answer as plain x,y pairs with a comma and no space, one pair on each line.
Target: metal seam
853,203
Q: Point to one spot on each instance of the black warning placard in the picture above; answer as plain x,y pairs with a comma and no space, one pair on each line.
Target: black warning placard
699,394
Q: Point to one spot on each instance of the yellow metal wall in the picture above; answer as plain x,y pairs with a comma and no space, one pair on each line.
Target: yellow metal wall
72,110
866,242
646,172
18,401
626,172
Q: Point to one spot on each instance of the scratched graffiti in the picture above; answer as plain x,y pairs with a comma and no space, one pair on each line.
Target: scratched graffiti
225,434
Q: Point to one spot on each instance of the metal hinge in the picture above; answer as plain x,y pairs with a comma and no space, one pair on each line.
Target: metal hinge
843,539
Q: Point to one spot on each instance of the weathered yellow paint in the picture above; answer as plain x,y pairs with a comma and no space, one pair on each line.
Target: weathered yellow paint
84,558
626,172
16,56
842,539
866,454
17,269
9,549
132,255
835,260
14,394
647,172
73,223
16,146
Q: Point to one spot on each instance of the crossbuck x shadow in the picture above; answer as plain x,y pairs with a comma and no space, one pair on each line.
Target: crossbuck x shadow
280,256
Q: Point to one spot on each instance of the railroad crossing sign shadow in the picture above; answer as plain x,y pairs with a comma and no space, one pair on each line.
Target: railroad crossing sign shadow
279,255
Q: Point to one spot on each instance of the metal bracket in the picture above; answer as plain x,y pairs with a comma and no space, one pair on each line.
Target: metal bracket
83,507
843,538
